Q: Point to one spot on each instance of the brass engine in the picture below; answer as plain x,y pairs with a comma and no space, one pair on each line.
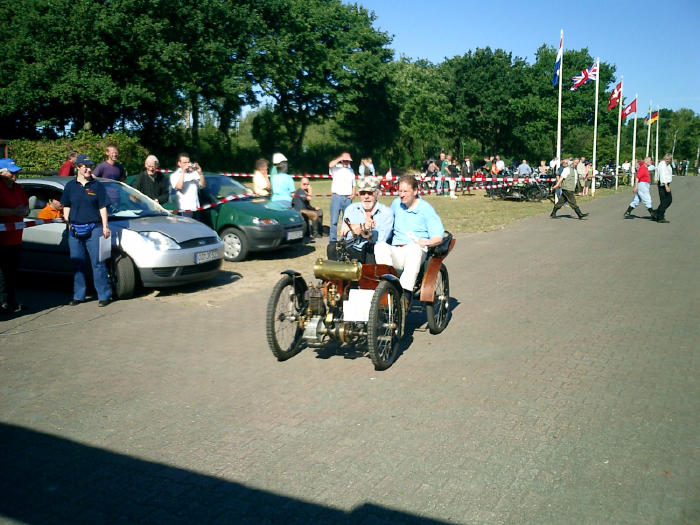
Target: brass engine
346,271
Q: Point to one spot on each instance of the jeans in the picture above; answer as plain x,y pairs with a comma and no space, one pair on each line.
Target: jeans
338,204
82,250
642,195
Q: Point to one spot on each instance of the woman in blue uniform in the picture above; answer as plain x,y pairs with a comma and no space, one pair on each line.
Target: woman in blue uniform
85,204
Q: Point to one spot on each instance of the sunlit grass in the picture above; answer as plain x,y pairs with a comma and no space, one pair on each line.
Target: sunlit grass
466,214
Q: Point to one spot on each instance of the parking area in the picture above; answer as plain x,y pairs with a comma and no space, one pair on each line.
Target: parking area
564,390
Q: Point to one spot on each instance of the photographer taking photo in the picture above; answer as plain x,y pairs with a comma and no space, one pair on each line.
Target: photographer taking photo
186,181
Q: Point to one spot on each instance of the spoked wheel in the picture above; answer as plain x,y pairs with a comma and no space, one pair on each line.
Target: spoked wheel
384,325
497,195
438,311
284,335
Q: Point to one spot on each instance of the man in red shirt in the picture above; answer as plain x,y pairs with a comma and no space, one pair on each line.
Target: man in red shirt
641,189
66,169
14,206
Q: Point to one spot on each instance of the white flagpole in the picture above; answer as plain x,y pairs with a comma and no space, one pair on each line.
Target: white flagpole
561,78
656,155
595,123
648,131
619,123
634,146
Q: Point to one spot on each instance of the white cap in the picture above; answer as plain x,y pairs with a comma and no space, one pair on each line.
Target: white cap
278,157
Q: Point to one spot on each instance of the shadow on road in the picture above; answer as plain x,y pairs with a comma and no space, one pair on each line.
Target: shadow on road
49,479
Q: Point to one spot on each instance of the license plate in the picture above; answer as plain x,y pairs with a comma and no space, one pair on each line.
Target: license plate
203,257
295,235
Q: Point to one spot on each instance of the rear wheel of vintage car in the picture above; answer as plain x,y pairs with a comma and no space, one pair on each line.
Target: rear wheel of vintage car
123,277
438,312
284,335
235,244
384,325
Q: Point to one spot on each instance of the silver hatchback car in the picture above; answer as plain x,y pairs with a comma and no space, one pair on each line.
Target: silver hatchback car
150,246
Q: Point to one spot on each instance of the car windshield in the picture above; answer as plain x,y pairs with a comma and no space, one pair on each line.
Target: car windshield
221,186
126,202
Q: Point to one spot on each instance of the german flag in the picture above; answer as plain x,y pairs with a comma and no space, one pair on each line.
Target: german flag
651,118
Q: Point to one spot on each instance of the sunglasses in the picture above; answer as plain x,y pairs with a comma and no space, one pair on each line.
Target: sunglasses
365,192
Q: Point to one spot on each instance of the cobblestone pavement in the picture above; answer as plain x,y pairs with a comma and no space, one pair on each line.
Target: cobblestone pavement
564,390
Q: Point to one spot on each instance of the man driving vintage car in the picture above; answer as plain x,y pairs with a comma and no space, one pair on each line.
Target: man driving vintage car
416,228
370,222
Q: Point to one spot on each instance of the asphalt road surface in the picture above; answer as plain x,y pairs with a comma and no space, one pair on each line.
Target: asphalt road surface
564,390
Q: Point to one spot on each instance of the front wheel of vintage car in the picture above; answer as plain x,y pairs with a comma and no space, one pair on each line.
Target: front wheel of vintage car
284,309
438,312
123,277
384,325
235,244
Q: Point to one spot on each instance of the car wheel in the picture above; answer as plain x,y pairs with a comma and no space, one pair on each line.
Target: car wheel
124,277
235,244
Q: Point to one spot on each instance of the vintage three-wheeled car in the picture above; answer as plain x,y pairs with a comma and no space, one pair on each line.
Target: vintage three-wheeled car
355,303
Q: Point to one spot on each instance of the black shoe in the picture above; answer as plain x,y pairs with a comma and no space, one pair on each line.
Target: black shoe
105,302
75,302
582,216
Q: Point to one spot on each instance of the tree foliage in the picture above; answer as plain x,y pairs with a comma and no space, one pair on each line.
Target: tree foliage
312,76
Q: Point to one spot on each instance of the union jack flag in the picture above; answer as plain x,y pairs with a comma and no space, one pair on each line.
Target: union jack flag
586,76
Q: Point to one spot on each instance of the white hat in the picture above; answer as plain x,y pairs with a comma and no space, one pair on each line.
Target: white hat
278,157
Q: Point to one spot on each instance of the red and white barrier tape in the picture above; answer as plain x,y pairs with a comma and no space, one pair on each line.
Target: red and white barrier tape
392,178
14,226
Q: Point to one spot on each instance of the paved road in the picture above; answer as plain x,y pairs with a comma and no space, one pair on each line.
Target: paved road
564,390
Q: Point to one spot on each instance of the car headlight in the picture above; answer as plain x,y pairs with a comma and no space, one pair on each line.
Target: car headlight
264,222
159,241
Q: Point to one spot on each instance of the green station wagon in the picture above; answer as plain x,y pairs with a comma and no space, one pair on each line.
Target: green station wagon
247,224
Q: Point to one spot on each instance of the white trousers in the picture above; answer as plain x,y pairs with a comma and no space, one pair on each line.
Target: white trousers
407,258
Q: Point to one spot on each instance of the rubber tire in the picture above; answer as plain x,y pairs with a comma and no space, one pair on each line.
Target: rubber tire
383,358
439,314
533,194
123,277
293,348
238,238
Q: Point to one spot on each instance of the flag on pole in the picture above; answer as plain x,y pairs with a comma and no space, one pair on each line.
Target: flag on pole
629,109
557,64
615,96
586,75
651,117
388,175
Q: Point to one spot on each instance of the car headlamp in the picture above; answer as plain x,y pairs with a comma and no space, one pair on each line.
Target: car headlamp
264,222
159,241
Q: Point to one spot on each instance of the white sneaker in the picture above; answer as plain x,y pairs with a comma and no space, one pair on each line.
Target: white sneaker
453,196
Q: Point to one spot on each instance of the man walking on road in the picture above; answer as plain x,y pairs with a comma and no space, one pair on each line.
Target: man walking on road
566,180
665,198
641,189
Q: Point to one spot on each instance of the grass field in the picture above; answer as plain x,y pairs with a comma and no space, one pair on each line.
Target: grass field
466,214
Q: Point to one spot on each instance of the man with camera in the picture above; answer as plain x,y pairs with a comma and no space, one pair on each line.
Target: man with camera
186,181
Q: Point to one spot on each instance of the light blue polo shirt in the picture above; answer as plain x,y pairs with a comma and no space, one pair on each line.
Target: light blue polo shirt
423,221
383,222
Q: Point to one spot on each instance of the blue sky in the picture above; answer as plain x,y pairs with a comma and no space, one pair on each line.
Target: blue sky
655,45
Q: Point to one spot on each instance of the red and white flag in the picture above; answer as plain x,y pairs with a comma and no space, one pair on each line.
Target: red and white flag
388,175
615,96
629,109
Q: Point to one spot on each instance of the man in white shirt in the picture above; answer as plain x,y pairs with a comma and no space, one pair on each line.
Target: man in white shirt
665,174
186,181
500,165
342,189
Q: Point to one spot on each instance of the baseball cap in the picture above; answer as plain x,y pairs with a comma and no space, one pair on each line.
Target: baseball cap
9,165
368,184
84,159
